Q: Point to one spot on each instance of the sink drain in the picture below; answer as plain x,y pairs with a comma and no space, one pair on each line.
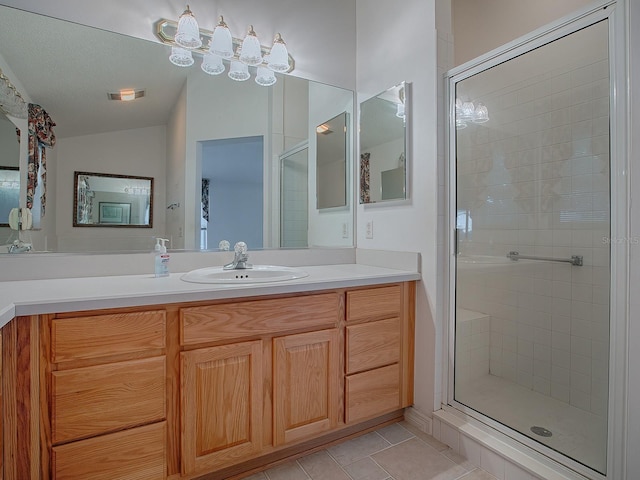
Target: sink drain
543,432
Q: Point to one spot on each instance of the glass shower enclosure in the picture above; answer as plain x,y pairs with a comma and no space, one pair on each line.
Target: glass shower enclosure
530,175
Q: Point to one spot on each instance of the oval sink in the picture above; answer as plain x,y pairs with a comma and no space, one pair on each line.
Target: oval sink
257,274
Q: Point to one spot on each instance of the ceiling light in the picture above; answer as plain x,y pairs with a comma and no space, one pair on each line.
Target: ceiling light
323,129
188,35
186,38
127,94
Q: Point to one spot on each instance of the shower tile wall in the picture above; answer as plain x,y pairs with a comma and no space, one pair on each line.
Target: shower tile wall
535,179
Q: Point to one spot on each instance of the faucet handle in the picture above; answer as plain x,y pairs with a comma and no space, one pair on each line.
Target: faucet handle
240,248
223,245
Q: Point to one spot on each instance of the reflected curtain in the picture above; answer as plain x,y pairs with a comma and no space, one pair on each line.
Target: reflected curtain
365,185
40,136
205,198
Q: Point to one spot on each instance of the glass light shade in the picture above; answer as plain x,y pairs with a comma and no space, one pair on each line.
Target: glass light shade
481,114
265,77
188,34
278,60
221,41
212,64
460,124
181,57
238,71
467,111
251,52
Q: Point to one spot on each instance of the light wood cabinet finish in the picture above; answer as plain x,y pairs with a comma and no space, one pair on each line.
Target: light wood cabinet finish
374,303
374,344
135,454
233,321
101,335
372,393
192,390
305,386
104,398
221,405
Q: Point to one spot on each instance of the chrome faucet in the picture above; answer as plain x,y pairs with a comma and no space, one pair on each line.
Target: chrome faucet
18,246
240,258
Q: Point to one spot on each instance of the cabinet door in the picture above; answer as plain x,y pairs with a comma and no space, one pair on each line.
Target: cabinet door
305,385
221,393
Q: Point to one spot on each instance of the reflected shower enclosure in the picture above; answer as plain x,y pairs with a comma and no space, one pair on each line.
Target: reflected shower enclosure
532,269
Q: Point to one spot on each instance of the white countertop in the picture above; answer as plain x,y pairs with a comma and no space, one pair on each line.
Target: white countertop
32,297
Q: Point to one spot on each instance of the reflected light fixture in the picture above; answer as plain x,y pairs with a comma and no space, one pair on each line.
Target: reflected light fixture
466,112
11,102
323,129
127,94
186,38
400,104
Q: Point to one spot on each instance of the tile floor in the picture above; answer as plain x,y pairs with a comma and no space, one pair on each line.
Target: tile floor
397,452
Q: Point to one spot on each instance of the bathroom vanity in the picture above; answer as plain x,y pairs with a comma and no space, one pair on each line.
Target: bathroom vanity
203,381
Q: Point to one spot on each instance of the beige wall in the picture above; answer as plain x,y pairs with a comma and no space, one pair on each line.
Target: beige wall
138,152
479,26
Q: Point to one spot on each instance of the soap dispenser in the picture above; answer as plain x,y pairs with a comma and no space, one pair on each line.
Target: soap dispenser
161,258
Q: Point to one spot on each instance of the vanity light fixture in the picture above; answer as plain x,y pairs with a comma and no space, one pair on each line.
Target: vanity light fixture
186,38
468,112
188,34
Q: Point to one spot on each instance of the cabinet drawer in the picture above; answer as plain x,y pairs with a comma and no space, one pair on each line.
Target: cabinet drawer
139,453
100,335
372,393
373,344
374,303
230,321
105,398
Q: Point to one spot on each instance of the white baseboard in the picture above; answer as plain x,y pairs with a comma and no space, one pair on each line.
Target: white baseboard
419,420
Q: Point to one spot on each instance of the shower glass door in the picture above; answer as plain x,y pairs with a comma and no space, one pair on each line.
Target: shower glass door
294,197
533,245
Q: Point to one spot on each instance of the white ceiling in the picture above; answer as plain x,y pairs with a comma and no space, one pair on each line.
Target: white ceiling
69,69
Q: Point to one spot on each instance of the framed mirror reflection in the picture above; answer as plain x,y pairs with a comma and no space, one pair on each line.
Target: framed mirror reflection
383,145
331,164
107,200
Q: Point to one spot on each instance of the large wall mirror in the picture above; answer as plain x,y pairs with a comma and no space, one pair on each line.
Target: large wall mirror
383,145
9,169
169,134
332,142
105,200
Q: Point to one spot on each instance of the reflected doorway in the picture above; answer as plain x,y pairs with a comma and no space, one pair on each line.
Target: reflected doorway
233,205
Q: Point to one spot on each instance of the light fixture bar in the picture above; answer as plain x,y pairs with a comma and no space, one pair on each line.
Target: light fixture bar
166,31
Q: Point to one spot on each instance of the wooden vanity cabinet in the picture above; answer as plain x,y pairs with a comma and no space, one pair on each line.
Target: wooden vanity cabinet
212,389
379,351
106,391
256,387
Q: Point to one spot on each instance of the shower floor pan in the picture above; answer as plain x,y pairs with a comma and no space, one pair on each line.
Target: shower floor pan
575,433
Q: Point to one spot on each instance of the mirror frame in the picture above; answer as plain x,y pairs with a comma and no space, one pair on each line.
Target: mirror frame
401,91
76,176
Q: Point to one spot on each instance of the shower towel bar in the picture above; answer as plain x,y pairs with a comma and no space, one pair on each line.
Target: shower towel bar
574,260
